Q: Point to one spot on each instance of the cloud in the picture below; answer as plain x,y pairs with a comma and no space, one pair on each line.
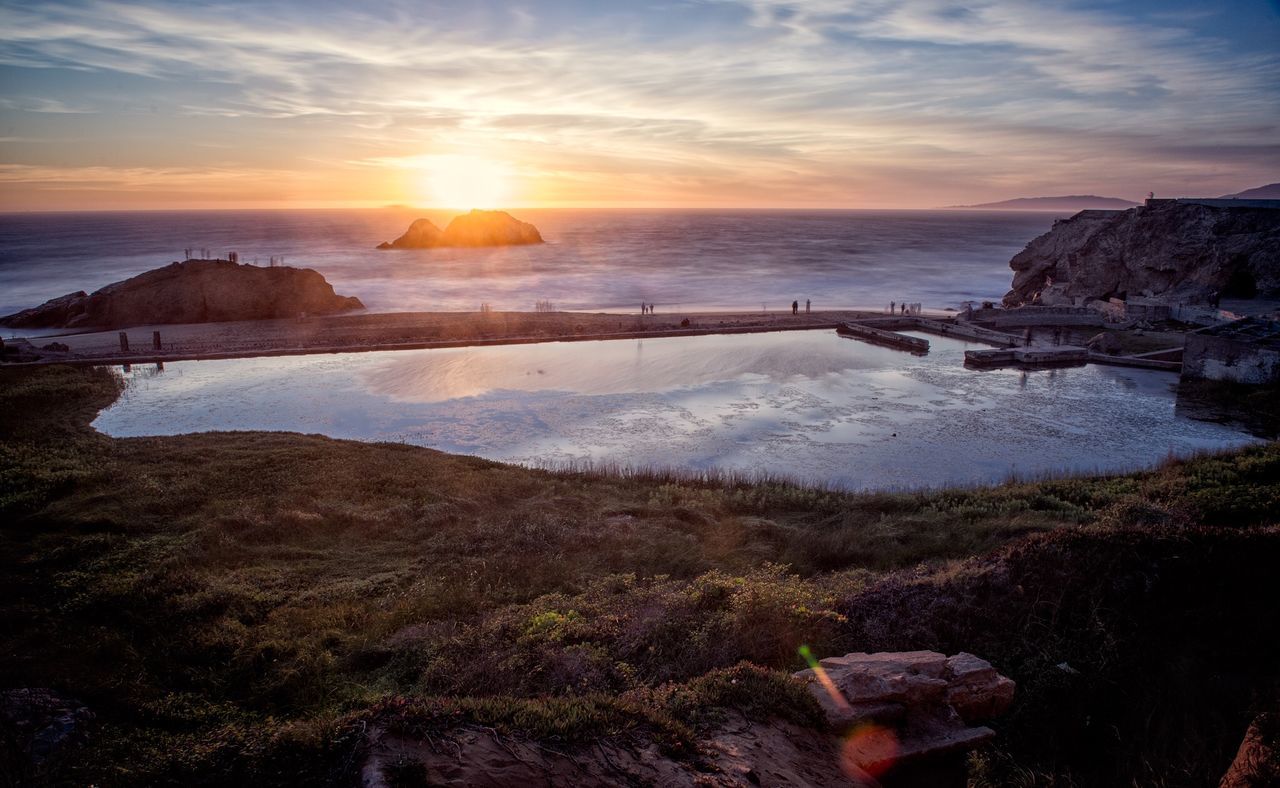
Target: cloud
862,101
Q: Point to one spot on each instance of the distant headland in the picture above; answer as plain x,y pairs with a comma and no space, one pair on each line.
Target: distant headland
1073,202
477,228
1269,192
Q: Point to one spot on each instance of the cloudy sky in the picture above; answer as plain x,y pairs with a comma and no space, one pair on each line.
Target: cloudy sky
701,103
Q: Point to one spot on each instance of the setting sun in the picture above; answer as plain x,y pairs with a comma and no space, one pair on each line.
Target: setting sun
463,182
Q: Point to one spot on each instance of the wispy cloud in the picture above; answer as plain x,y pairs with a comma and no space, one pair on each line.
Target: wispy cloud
725,101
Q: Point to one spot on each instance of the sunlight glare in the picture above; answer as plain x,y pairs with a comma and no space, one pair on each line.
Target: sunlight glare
464,182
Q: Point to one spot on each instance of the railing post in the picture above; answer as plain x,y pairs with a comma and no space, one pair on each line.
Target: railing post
155,339
124,342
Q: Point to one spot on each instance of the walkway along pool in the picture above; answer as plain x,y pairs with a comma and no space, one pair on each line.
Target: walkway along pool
807,405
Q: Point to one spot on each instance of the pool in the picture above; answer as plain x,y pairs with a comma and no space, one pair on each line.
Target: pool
806,405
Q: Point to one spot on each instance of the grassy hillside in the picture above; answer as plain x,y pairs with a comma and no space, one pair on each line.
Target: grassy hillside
235,605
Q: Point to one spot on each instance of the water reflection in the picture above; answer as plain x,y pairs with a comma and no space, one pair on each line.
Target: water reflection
809,405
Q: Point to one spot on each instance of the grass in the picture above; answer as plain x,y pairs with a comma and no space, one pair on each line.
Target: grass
234,606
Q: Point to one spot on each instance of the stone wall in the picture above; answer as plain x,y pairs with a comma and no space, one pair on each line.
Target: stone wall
1227,358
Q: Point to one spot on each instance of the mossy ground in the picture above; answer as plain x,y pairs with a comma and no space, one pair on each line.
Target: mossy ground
233,605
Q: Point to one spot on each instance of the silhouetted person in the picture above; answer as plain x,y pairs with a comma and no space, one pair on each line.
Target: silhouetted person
892,306
806,306
795,307
903,306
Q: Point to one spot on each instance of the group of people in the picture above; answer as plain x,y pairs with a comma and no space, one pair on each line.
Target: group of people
646,309
795,307
904,308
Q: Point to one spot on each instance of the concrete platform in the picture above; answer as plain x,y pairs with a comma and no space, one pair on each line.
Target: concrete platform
1036,356
880,336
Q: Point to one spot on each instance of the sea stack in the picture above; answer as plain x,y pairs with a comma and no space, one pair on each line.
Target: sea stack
477,228
194,291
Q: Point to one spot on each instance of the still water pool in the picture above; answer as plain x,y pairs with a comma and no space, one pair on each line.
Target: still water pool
807,405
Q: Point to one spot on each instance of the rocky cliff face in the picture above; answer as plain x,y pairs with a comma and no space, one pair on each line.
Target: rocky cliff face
478,228
196,291
1172,249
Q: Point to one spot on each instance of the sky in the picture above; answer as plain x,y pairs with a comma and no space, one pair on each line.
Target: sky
672,103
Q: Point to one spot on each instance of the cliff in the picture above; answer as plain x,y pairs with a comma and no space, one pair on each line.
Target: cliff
196,291
1171,249
477,228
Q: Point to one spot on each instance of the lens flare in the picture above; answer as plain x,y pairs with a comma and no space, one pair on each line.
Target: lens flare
827,684
868,750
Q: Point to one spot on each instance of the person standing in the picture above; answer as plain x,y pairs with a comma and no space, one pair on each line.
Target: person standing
806,306
795,307
892,305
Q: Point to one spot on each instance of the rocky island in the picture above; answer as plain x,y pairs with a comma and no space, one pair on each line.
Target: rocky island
477,228
194,291
1175,249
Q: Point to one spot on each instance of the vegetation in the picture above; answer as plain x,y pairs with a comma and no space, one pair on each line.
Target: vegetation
240,605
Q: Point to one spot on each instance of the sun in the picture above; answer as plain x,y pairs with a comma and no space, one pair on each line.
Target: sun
464,182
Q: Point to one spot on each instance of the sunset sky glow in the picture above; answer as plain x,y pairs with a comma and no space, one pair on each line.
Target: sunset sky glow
720,103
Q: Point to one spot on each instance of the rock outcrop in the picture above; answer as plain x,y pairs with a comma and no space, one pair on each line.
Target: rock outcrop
477,228
36,726
422,234
911,711
1176,250
195,291
1257,762
736,753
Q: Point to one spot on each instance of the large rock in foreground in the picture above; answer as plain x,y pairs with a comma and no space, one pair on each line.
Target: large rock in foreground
196,291
478,228
1177,250
910,713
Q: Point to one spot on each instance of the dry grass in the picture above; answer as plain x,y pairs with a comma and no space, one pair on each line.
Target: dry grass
231,604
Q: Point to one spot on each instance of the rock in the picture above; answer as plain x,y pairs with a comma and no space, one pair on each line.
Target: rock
18,350
195,291
56,347
1257,762
477,228
36,725
735,753
54,312
1179,251
422,234
910,711
977,692
490,228
1105,342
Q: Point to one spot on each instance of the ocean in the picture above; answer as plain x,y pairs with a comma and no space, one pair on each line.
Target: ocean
593,259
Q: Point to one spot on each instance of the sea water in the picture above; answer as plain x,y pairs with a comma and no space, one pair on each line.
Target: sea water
806,405
592,260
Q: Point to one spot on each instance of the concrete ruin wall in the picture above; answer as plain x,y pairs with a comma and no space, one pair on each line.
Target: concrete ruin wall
1223,358
1040,316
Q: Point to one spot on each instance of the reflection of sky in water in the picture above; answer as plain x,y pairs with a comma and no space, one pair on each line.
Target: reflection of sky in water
809,405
